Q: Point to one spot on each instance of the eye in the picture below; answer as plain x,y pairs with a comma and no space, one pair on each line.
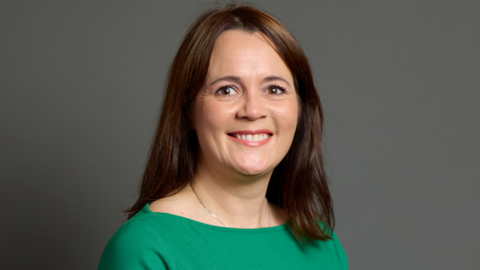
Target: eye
227,90
275,90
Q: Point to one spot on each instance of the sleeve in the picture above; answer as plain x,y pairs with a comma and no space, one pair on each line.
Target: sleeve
135,246
342,256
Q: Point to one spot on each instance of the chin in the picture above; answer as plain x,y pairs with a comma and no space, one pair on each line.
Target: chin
252,170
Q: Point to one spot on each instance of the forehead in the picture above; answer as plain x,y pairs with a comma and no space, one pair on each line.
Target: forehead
243,54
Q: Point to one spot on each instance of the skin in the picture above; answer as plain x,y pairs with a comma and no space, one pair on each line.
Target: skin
231,179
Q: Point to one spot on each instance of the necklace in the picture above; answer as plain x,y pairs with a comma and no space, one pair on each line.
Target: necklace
216,216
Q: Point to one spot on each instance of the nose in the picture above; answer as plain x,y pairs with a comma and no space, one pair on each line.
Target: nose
253,107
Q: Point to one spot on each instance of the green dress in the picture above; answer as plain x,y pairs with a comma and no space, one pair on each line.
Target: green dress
152,240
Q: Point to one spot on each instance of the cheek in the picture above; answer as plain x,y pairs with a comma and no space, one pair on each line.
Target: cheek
287,117
210,117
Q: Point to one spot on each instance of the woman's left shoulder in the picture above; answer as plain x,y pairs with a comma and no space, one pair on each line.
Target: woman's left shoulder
342,256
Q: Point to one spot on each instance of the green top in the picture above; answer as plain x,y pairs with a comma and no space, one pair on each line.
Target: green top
152,240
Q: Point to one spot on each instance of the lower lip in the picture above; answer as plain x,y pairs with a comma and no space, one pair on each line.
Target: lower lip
251,143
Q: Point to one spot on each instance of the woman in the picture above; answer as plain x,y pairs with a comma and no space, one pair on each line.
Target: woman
235,178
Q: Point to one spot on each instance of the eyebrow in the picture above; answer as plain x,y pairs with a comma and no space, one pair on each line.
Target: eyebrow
237,79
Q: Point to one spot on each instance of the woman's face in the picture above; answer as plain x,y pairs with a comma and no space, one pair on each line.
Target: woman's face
245,116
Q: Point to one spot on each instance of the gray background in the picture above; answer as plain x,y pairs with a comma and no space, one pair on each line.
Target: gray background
81,85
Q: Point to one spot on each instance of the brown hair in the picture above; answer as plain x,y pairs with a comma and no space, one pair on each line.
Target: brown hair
298,184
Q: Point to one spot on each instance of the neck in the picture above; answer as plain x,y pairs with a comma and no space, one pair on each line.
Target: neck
238,202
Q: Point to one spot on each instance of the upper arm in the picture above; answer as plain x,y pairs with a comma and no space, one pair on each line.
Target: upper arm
135,246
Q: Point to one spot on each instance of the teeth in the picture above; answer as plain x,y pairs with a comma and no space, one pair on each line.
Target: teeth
253,138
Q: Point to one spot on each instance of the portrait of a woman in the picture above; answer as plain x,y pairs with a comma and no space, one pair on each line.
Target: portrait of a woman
235,176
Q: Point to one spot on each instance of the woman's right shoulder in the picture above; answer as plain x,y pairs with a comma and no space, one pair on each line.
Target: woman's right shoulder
165,205
135,228
134,244
180,203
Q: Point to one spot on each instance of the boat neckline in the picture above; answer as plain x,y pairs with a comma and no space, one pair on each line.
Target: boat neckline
146,210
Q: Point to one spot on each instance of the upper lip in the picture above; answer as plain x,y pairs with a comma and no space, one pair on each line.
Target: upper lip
258,131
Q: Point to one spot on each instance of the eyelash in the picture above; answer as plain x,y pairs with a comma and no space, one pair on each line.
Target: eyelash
273,86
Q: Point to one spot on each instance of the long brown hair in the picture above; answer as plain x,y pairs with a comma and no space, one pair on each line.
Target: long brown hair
298,184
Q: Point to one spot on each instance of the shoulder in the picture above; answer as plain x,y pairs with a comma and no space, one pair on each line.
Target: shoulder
180,203
183,204
342,256
134,245
171,205
134,231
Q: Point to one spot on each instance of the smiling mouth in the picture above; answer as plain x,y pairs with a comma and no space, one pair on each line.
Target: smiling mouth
250,137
